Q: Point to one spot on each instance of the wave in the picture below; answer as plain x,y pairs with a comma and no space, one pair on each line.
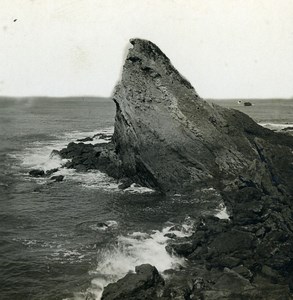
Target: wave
134,249
38,156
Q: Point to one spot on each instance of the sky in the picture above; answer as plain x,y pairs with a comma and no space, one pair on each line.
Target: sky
225,48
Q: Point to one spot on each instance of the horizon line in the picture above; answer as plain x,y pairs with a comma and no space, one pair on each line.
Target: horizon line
109,97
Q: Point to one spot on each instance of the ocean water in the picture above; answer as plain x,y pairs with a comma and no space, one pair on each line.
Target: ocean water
67,240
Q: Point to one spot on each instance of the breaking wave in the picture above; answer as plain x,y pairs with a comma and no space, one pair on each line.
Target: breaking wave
38,156
134,249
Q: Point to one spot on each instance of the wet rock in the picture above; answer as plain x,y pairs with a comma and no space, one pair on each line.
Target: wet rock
146,283
54,153
37,173
50,172
182,247
233,282
170,235
289,128
83,156
125,183
57,178
176,228
247,104
225,261
102,136
76,149
231,241
178,287
102,225
87,139
80,168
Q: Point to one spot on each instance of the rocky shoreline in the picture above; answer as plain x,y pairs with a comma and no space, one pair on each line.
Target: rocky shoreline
167,138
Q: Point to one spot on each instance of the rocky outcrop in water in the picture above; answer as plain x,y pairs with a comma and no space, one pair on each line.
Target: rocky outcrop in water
145,283
168,138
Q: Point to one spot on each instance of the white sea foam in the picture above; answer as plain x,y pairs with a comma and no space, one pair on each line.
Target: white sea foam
78,135
222,212
137,189
58,251
134,249
111,224
38,156
275,126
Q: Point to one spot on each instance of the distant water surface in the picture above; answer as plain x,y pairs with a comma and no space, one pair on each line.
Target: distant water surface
277,111
67,240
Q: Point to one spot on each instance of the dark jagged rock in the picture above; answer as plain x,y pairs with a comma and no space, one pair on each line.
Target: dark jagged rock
289,128
145,283
102,136
57,178
83,156
42,173
87,139
54,153
125,183
51,171
37,173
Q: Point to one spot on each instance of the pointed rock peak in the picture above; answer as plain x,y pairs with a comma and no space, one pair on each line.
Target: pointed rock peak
148,57
147,48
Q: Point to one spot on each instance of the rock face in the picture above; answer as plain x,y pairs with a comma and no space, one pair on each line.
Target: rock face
167,137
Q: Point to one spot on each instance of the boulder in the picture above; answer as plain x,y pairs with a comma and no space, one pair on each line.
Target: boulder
51,171
57,178
145,283
233,282
170,235
37,173
125,183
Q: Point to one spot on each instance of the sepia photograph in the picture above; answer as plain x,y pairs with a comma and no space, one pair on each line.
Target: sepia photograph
146,149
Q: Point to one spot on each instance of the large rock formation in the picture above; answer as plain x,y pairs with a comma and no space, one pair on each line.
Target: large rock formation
168,138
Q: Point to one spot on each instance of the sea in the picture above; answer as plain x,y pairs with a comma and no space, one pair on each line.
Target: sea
69,239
